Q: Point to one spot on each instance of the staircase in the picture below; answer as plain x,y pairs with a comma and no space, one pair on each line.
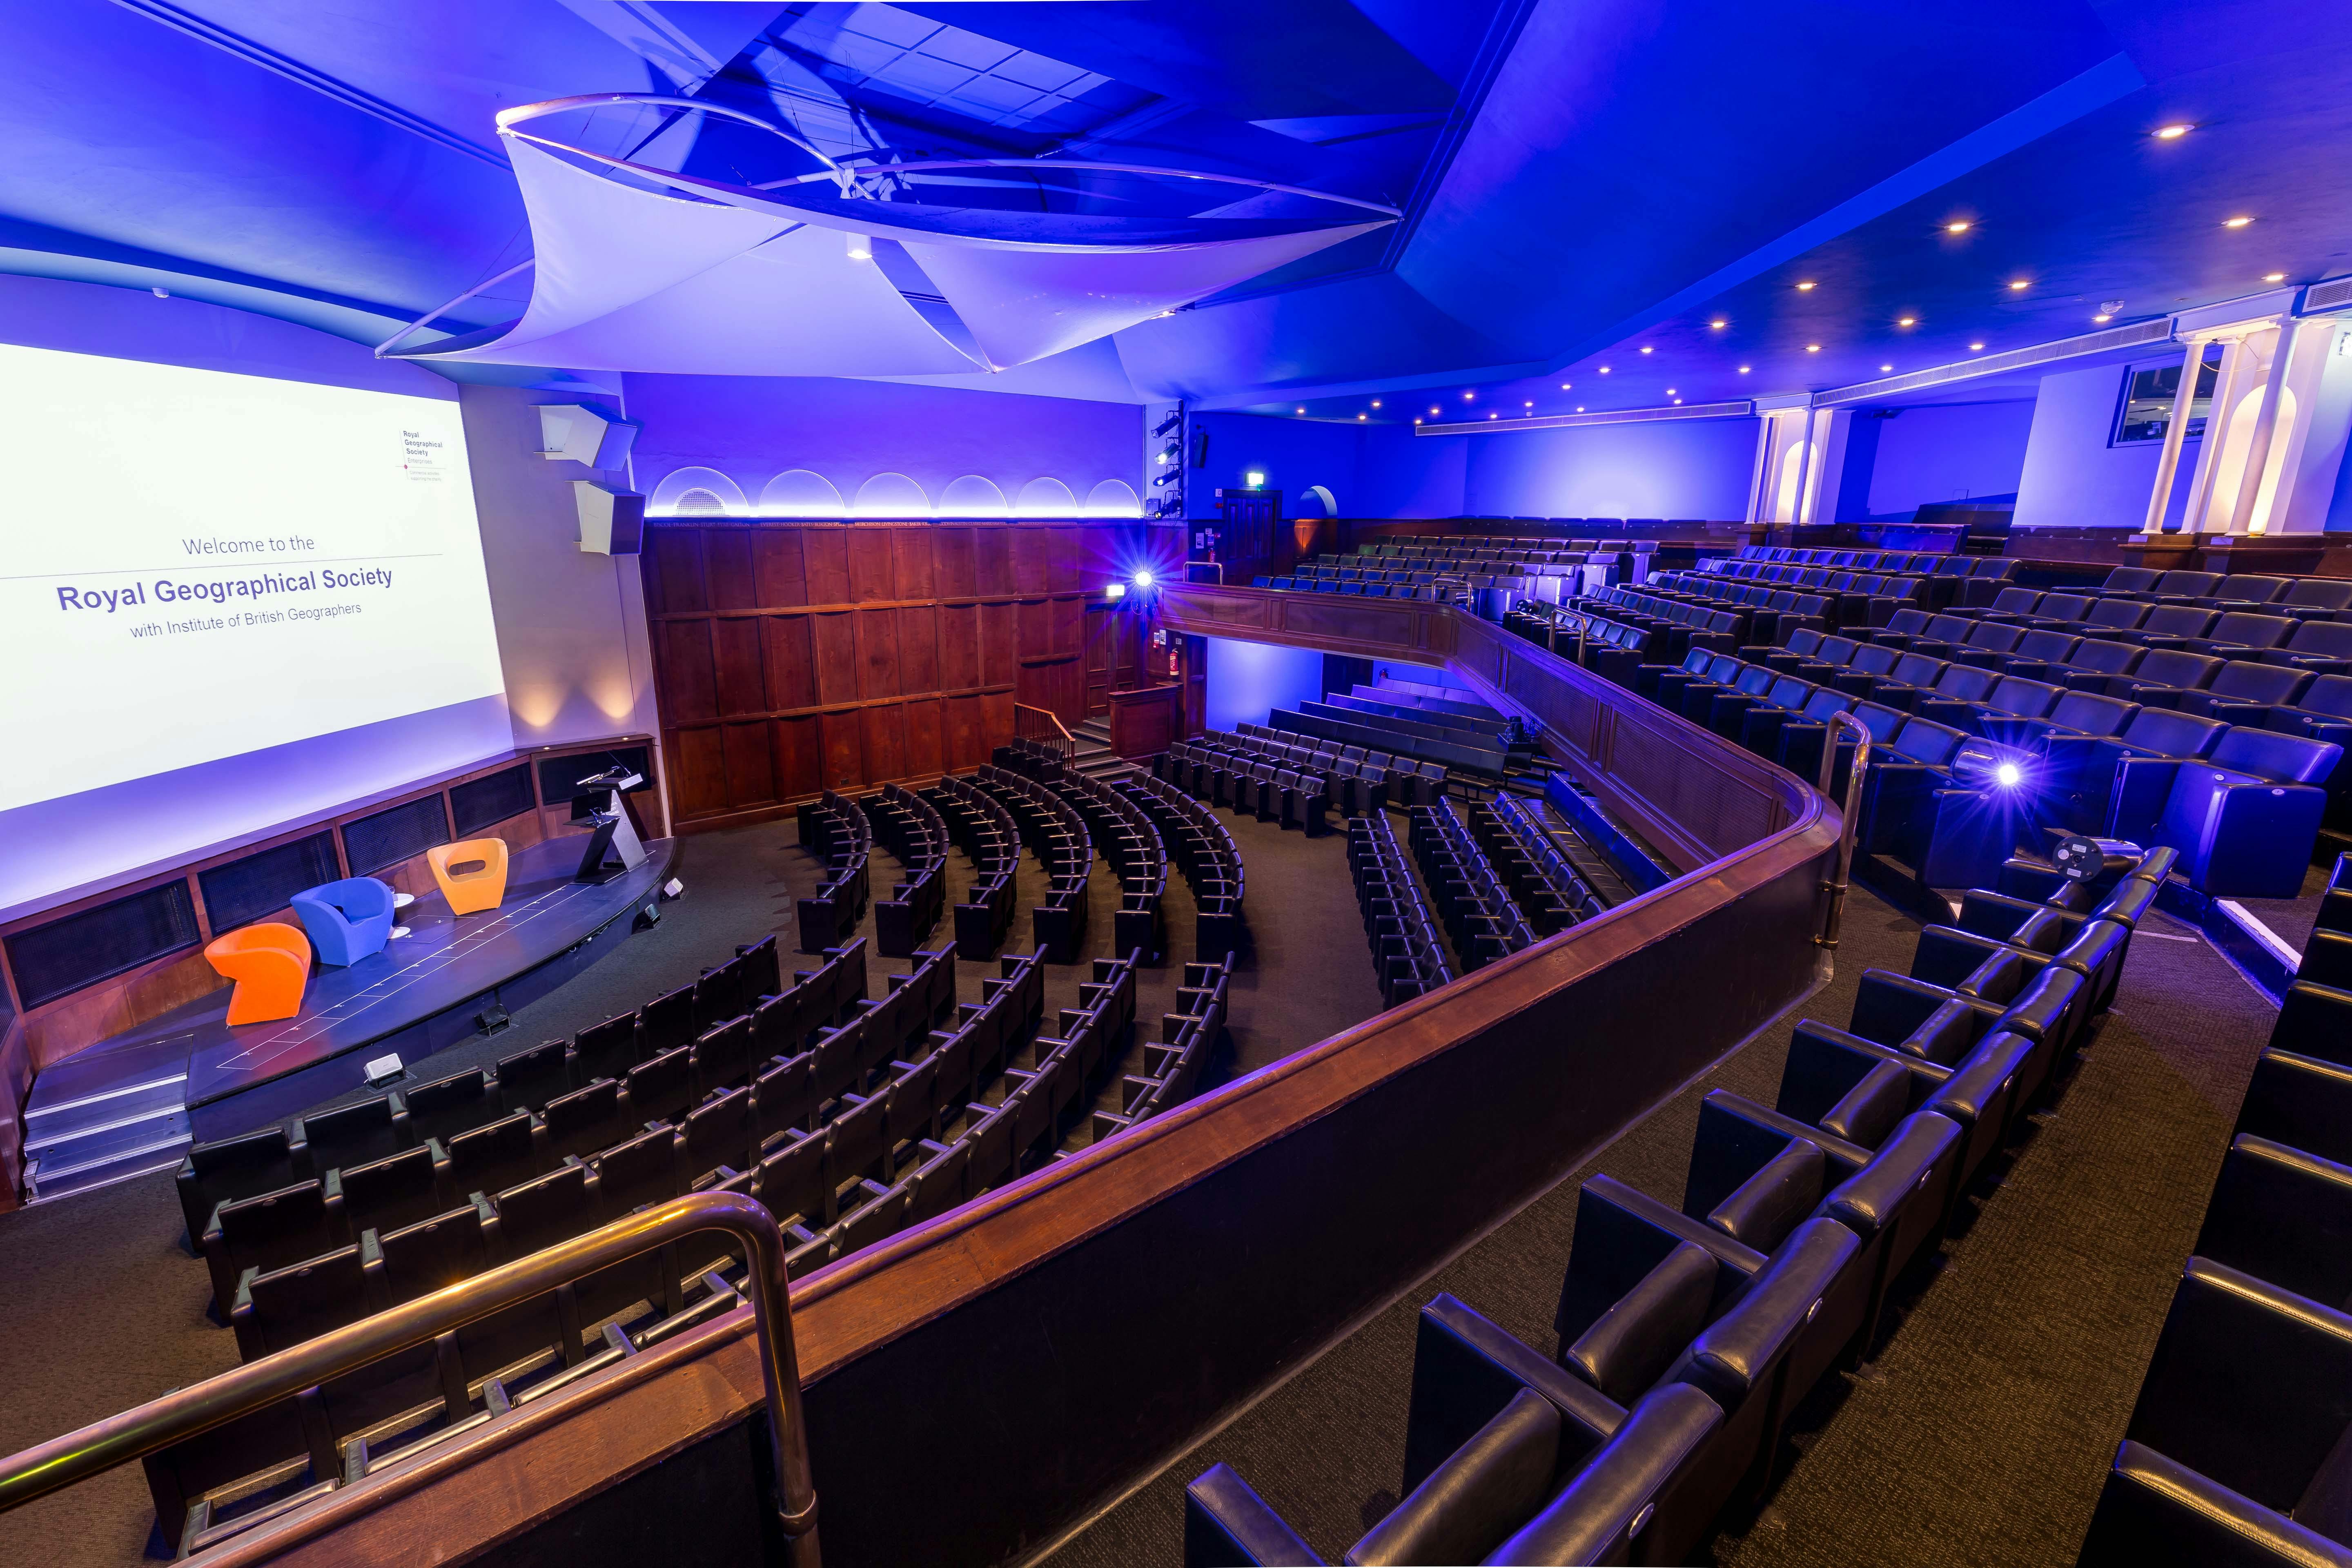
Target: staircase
1094,757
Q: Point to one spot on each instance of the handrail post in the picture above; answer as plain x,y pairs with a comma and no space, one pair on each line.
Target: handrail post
1842,864
184,1413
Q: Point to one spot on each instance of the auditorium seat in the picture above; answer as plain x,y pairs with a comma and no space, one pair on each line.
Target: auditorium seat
2244,816
386,1193
354,1134
226,1169
529,1079
265,1232
439,1110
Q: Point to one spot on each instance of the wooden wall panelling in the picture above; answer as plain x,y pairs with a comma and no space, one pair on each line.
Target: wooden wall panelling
912,562
750,763
834,637
675,557
843,738
727,576
701,789
958,630
792,661
872,578
883,734
919,649
690,679
800,771
877,654
776,567
824,564
954,563
962,723
925,753
993,558
741,685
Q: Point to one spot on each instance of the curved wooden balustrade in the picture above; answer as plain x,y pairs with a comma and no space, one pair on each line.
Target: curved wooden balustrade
977,1386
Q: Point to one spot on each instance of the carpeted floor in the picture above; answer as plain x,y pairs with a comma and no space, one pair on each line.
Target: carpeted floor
101,1307
1981,1433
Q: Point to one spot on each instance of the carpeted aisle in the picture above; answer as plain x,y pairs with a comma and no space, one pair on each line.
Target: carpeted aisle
1981,1433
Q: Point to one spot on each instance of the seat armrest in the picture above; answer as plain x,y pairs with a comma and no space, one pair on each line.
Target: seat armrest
1228,1525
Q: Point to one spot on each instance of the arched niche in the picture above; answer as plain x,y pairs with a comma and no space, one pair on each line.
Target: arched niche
1114,498
891,495
697,492
1316,495
1045,498
800,493
971,496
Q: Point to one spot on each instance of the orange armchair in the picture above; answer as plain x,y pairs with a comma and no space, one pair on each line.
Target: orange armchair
475,886
270,963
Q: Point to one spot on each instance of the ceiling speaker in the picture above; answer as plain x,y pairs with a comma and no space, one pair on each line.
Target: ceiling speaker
611,522
582,433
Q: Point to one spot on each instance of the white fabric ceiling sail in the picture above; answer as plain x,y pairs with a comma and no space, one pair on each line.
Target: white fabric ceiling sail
752,282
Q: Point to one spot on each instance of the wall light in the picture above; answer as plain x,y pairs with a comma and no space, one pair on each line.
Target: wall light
1803,287
861,247
1256,480
2235,222
1114,590
2172,133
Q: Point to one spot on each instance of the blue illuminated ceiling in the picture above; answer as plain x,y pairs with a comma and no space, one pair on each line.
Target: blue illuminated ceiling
1581,178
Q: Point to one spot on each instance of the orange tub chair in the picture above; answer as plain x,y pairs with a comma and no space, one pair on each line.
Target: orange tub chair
270,963
476,887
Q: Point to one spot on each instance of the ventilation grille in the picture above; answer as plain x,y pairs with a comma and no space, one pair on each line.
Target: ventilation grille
504,793
388,837
2331,295
247,890
61,957
1738,410
2157,330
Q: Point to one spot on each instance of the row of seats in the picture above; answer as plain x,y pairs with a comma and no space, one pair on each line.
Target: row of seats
1439,750
2325,597
1397,922
2322,646
394,1158
2239,1448
1057,836
1204,852
1248,778
1125,836
1473,903
1356,779
1614,640
835,828
1188,1038
235,1476
911,828
1687,1337
1930,580
1422,586
1541,879
980,826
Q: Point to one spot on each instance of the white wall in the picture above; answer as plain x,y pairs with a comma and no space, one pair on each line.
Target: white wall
1950,452
2072,477
1246,678
571,625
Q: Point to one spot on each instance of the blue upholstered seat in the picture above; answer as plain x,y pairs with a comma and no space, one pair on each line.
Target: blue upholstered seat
347,920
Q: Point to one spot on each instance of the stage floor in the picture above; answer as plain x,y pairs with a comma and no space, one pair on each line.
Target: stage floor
133,1101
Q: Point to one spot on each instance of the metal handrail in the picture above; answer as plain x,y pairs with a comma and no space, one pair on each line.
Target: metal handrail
1218,566
1842,867
1051,732
215,1402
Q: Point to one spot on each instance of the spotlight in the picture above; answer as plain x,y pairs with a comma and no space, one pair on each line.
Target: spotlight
1802,288
1976,348
1645,347
2173,132
2235,222
2008,775
1718,323
1906,321
2017,283
1114,590
1143,577
861,247
1168,423
1959,226
2274,276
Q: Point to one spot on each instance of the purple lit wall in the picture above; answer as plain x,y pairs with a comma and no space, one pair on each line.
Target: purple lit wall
2071,476
1246,678
1676,469
1293,453
851,434
1946,453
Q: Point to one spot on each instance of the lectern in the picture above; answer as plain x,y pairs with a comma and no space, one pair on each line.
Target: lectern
613,847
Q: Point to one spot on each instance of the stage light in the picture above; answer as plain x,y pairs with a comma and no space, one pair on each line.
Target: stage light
2235,222
2009,775
1115,591
2173,132
1168,423
1144,578
1959,226
861,247
1803,287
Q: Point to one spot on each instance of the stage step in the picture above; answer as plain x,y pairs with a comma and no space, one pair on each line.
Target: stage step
85,1143
1095,730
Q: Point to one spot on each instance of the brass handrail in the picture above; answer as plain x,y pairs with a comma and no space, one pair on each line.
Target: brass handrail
1056,735
1841,866
216,1401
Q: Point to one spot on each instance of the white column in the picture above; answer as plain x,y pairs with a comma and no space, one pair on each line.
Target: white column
1804,469
2167,462
2258,450
1760,481
2235,355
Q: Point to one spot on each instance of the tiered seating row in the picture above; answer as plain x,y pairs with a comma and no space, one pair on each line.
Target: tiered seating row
1397,922
911,828
1057,836
2236,1450
1130,841
1248,774
1449,749
1542,880
835,828
980,826
1687,1337
1203,850
1485,921
1355,780
1171,1070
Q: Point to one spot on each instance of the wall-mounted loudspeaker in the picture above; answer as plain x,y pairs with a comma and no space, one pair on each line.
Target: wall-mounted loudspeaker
580,433
611,522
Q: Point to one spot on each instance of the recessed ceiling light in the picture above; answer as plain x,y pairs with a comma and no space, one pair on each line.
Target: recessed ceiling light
1906,321
2173,132
1416,418
1959,226
1468,395
1886,367
1376,402
1803,287
1812,348
1718,323
2021,283
2103,317
1363,417
2235,222
2274,276
1604,370
1298,411
1432,408
1744,369
1580,408
1494,416
1976,348
1531,403
1677,400
1670,391
1645,347
1563,386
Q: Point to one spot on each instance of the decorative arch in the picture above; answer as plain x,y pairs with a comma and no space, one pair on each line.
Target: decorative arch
1045,498
891,495
697,492
2238,446
800,493
1114,498
1322,497
971,496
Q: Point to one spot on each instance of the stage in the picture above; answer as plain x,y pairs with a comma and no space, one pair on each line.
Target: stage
135,1102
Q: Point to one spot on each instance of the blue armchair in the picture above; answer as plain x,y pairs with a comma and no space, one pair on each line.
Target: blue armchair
348,919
